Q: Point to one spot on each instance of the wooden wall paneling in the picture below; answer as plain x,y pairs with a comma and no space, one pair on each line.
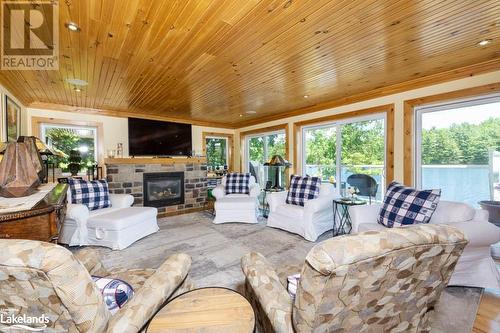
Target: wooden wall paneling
199,60
230,142
409,120
388,109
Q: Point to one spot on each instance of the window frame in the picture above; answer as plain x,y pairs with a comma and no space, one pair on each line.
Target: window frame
420,110
229,146
337,124
261,135
43,131
409,120
36,131
282,128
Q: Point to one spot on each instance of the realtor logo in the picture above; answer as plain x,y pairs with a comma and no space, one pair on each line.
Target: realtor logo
30,35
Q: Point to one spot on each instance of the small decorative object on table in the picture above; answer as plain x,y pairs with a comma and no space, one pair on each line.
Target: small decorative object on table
208,310
119,150
353,192
75,160
341,219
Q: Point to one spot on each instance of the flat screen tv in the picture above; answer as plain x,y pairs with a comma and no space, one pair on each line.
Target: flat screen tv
158,138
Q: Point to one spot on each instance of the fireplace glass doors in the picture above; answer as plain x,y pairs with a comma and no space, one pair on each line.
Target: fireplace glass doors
163,189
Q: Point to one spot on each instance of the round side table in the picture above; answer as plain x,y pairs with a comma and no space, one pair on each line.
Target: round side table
207,310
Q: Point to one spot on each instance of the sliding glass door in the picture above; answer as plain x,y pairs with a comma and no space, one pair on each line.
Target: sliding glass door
456,144
260,149
353,146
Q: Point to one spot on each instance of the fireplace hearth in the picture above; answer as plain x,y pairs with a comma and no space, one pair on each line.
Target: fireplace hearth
163,189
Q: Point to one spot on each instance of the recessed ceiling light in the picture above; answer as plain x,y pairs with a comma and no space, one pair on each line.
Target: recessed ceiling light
77,89
72,26
241,115
251,112
484,42
306,96
77,82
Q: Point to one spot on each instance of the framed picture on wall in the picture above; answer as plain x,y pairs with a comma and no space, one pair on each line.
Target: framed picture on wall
12,120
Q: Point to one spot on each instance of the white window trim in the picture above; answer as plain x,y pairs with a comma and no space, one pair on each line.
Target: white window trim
337,125
45,126
419,111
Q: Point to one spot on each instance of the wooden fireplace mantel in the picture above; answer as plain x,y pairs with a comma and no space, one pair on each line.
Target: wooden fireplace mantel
160,160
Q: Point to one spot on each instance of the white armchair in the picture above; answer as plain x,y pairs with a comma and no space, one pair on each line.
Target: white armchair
115,227
475,268
236,207
310,221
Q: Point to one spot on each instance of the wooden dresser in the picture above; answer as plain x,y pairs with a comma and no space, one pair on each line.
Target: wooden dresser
42,222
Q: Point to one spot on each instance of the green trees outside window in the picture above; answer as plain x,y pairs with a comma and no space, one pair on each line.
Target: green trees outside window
362,148
68,139
216,152
461,143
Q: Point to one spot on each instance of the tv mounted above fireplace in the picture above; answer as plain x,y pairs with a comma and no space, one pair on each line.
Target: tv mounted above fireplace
158,138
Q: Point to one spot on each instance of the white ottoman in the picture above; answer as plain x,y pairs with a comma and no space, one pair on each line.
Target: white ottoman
236,209
120,228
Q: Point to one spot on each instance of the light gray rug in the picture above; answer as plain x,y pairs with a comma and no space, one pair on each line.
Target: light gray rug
216,251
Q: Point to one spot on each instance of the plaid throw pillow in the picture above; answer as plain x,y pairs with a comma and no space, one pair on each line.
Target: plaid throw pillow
405,205
116,293
302,189
238,183
93,194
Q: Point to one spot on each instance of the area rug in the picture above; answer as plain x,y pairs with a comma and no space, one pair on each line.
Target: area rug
216,251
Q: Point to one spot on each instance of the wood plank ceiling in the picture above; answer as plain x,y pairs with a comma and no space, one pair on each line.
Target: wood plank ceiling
212,61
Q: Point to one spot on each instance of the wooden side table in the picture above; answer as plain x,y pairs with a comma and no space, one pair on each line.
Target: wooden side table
42,222
207,310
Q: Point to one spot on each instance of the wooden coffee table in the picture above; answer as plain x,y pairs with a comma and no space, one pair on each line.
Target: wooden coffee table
206,310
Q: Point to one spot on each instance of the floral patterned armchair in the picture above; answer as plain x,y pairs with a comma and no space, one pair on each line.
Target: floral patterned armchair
370,282
38,278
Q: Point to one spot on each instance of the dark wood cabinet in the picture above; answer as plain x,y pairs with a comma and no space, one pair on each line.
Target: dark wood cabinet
42,222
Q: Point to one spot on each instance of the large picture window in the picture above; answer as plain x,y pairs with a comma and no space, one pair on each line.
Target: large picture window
67,138
340,149
455,145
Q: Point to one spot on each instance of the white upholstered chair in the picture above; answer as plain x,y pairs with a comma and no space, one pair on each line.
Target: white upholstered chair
475,268
236,207
310,221
116,227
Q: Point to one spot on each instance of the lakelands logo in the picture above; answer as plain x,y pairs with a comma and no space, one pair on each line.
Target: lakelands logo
30,35
23,323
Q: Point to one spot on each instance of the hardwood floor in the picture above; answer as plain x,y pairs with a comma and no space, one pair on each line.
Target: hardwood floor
488,314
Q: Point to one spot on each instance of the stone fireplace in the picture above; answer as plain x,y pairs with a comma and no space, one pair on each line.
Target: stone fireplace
163,189
173,185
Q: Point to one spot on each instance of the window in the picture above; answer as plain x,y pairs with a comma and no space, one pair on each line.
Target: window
67,138
353,146
260,149
217,152
455,148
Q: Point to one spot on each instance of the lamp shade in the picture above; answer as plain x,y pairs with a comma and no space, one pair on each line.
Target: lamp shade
277,160
21,169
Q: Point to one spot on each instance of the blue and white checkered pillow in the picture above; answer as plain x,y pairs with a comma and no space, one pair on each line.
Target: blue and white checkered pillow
93,194
238,183
405,205
115,292
302,189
